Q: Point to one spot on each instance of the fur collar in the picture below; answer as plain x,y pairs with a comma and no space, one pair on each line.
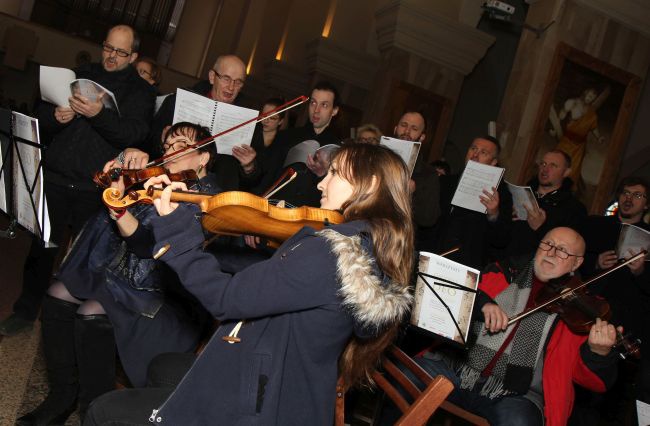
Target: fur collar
373,302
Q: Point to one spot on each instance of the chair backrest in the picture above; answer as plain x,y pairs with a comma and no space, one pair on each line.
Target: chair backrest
423,402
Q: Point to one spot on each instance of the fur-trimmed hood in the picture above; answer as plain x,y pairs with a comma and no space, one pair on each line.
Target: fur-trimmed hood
373,300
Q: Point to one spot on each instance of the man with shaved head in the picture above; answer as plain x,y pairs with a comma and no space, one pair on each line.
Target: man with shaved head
225,81
523,373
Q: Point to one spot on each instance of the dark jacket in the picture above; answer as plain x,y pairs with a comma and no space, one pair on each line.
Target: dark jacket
302,190
301,307
480,240
562,209
628,295
81,147
426,207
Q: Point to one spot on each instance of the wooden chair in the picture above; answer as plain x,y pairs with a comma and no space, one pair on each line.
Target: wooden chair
424,402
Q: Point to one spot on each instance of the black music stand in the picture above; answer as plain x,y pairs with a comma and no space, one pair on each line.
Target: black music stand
9,144
444,283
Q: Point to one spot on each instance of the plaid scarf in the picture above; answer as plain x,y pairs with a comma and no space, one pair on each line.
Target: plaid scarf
513,371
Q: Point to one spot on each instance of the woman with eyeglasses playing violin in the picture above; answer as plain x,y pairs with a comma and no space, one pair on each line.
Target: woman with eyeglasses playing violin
110,291
325,305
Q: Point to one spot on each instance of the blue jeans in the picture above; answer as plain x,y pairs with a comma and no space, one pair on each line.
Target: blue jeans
505,411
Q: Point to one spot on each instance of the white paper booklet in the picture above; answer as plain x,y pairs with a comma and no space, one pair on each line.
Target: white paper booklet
475,178
159,102
31,216
216,116
643,413
58,84
631,241
406,149
522,196
299,152
447,279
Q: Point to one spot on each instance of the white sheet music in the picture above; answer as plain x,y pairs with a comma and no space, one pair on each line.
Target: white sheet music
643,413
428,312
476,178
631,241
216,116
25,167
408,150
522,196
55,84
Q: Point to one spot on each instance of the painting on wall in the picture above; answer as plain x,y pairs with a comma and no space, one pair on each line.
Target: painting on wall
586,111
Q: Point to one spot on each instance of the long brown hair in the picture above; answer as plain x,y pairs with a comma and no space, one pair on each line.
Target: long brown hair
380,197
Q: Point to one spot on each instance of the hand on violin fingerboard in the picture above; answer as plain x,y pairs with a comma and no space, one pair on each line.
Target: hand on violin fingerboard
602,337
495,319
163,204
119,183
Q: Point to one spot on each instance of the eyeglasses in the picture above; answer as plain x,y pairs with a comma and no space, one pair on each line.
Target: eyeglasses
559,251
637,195
226,80
176,146
119,52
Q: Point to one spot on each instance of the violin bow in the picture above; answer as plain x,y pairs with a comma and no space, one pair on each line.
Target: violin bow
523,315
200,144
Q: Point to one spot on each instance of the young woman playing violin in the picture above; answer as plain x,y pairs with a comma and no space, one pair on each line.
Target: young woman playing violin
324,297
109,278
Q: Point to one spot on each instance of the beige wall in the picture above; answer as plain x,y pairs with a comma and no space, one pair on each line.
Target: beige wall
581,27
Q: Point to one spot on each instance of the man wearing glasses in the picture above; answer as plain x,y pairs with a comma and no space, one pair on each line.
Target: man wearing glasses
82,138
523,373
225,81
628,289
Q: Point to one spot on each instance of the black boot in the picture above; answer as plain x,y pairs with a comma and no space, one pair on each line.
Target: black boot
59,351
95,350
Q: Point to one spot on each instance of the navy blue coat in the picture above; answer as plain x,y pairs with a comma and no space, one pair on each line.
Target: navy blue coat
301,308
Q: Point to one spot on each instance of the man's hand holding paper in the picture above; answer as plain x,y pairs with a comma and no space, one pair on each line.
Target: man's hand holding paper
86,107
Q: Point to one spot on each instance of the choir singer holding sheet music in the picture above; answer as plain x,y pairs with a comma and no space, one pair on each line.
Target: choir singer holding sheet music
83,137
480,236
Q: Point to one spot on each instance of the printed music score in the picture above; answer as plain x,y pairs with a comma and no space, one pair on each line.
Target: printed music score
216,116
444,297
475,178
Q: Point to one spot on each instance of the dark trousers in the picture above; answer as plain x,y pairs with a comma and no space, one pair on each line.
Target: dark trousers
69,209
134,406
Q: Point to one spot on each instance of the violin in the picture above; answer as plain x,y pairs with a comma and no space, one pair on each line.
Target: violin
132,177
236,213
568,297
154,168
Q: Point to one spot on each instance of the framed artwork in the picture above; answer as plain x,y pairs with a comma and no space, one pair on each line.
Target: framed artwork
586,110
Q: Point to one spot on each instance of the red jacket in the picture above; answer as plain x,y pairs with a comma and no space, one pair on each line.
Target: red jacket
566,361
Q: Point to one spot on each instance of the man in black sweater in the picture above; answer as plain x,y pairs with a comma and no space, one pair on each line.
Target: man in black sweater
302,191
479,235
224,83
84,136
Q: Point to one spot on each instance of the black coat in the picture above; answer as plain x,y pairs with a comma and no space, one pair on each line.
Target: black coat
302,190
81,147
562,209
301,307
479,239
